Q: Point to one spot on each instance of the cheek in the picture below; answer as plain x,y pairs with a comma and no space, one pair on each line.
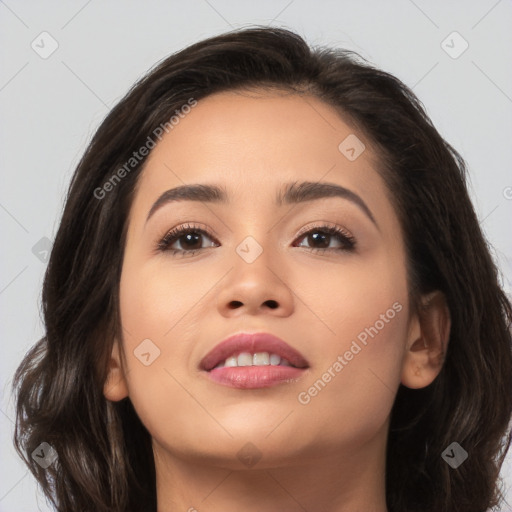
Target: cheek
151,299
160,314
150,309
350,395
365,320
346,300
162,304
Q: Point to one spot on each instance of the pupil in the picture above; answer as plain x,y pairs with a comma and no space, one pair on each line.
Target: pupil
316,236
189,236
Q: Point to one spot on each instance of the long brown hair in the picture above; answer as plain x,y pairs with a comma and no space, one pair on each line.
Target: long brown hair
105,461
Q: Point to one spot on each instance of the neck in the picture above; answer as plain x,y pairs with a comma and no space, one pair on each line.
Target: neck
334,481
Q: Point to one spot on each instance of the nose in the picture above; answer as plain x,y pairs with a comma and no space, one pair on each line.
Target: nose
256,288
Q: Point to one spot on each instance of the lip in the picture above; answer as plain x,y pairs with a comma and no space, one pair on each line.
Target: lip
252,377
253,342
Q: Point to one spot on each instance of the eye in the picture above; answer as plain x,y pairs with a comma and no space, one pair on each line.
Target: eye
322,236
189,237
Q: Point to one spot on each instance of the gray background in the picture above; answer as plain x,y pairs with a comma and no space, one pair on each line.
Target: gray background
51,106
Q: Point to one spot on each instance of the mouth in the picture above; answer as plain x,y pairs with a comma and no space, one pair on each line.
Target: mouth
248,361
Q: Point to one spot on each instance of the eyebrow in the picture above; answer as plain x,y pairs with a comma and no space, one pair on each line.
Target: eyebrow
292,193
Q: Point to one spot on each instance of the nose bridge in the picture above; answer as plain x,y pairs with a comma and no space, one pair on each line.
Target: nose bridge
253,228
256,259
250,250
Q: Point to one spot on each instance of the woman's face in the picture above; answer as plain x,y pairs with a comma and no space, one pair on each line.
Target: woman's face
265,266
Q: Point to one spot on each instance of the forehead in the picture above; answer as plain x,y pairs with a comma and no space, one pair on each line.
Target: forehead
255,142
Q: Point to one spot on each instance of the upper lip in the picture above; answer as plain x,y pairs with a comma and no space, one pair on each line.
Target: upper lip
252,342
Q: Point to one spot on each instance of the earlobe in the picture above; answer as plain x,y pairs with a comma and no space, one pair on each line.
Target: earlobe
427,343
115,387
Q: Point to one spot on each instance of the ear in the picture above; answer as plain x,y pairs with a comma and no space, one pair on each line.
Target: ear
115,387
427,341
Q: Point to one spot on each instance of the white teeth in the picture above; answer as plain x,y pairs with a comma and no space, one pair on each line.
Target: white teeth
274,359
260,359
231,361
257,359
245,359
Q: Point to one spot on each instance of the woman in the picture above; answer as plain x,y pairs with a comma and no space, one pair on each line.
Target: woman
269,291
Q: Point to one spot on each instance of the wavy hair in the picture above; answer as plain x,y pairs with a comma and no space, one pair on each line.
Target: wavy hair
105,460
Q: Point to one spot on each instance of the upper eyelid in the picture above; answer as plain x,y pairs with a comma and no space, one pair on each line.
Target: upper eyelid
191,226
210,232
324,224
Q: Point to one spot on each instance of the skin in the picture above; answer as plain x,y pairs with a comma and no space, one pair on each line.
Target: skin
328,454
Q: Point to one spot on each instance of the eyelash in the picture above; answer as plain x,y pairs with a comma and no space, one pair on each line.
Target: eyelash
170,237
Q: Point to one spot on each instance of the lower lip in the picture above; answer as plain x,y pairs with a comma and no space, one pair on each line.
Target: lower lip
251,377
